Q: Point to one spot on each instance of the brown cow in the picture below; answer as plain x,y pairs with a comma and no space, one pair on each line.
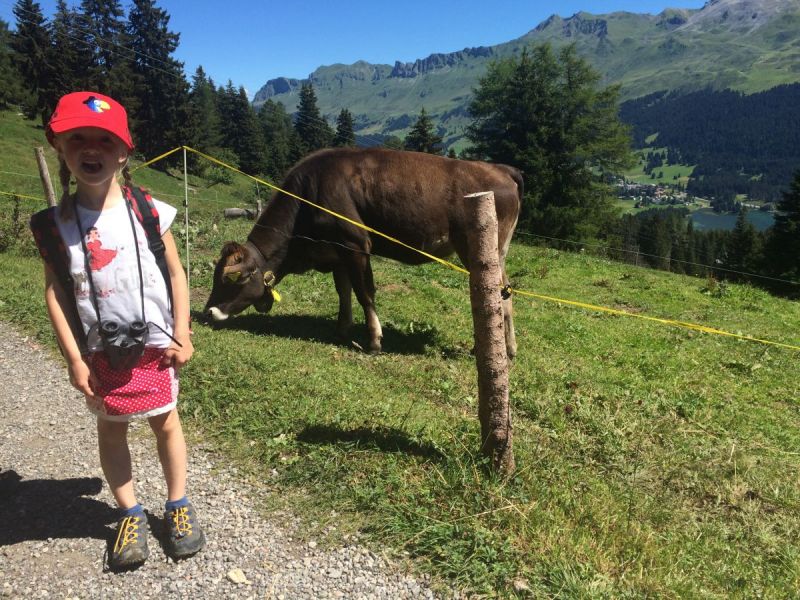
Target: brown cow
414,197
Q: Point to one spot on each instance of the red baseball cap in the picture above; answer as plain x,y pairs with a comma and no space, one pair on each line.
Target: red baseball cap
90,109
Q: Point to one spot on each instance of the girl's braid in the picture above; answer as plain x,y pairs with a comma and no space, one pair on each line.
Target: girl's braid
64,175
126,175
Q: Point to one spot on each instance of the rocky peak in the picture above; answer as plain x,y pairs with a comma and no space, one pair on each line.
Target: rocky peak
672,18
437,61
273,87
548,22
742,16
584,24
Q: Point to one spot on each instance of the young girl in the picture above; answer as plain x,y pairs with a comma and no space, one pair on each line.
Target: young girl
119,282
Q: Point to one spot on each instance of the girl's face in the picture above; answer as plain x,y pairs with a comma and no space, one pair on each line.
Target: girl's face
93,155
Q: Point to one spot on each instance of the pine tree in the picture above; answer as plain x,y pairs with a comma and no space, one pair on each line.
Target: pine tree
164,92
283,145
70,55
545,114
101,29
204,119
783,251
677,252
249,145
312,129
229,109
691,249
203,124
392,142
345,134
31,45
655,242
423,136
743,248
242,132
226,105
12,91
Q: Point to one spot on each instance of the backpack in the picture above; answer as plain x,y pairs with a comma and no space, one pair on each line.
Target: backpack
54,252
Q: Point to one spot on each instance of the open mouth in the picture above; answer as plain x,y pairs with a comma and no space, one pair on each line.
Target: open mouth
91,167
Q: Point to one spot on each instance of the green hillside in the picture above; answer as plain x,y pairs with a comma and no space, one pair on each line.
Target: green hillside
19,173
743,45
653,461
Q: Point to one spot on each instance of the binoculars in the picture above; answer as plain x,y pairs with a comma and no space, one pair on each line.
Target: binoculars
123,344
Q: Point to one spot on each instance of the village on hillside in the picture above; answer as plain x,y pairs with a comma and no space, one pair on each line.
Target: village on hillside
646,195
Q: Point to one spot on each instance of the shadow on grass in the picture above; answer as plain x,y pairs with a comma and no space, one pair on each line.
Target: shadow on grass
369,438
322,330
38,509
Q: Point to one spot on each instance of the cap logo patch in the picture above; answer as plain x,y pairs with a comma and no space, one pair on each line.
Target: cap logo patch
96,105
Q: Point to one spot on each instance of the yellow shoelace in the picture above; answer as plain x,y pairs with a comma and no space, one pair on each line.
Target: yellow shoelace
127,534
180,517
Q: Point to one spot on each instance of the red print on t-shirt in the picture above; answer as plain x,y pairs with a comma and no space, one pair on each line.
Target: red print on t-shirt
99,257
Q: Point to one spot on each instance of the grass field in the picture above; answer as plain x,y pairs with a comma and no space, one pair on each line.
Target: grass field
653,461
672,174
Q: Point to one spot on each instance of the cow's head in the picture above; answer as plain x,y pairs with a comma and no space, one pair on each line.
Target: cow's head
238,283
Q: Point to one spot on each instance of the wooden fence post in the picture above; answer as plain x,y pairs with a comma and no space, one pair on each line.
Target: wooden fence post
44,174
485,283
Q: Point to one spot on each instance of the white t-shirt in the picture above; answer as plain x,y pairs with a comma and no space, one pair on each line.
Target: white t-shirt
115,271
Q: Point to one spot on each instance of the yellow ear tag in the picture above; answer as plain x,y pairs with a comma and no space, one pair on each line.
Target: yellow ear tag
276,295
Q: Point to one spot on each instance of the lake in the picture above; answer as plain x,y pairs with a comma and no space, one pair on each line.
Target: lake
706,218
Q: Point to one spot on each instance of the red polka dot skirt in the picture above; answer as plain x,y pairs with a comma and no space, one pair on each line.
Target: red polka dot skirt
148,389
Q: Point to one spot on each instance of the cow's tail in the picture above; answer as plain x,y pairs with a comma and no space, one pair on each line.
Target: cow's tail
513,216
516,175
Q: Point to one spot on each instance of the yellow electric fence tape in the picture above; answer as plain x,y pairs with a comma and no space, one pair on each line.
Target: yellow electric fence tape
158,158
692,326
20,196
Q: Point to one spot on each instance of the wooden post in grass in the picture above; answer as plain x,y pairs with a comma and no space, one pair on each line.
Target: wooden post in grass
44,174
485,283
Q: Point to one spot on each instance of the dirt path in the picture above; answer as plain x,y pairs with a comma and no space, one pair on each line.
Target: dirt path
56,512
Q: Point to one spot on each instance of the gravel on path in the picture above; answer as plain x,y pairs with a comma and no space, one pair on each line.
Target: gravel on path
56,512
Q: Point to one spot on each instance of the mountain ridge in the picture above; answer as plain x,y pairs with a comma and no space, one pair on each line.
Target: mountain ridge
744,45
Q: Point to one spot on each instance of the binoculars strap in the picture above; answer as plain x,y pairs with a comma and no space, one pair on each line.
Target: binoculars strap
81,234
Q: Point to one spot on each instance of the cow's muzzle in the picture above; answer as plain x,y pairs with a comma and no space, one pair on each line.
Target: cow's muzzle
216,315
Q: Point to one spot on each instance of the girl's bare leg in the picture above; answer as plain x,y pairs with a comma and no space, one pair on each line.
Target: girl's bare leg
171,451
115,459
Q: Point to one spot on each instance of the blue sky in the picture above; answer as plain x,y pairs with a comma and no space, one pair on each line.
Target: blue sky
252,42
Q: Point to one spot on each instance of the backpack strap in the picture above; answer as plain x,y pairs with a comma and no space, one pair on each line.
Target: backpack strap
54,253
145,210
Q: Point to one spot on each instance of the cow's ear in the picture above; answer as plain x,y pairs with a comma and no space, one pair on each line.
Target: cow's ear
238,265
232,253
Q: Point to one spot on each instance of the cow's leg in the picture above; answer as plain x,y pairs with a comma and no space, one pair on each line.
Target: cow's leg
364,287
345,290
508,322
508,310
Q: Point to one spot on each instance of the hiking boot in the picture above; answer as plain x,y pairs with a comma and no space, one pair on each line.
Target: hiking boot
130,545
184,536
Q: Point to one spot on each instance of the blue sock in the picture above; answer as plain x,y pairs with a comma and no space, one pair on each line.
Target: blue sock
171,505
133,510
